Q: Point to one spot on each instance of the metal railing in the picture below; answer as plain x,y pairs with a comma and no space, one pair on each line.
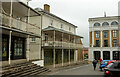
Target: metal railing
60,44
19,24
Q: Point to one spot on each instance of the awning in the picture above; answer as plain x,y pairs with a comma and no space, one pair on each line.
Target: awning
50,28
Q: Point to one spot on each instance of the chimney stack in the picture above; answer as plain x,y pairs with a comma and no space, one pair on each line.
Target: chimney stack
47,7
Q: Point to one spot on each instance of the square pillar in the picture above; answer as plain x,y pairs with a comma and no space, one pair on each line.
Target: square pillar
110,38
111,55
92,38
102,55
101,38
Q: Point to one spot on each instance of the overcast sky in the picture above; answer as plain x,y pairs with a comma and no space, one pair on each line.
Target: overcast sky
78,12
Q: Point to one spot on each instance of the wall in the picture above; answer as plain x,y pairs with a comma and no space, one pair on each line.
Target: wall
57,23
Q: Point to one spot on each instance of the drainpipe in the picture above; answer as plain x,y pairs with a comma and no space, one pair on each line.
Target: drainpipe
10,24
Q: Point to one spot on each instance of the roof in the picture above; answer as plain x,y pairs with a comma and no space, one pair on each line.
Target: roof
41,10
108,17
50,28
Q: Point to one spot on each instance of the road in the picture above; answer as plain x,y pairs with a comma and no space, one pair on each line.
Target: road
80,70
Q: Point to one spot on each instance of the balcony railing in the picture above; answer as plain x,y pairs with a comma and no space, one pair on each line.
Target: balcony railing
19,24
61,44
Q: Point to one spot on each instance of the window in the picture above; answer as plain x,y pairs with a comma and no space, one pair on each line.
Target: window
114,33
105,34
69,28
46,37
105,43
105,24
114,23
18,47
97,24
61,25
51,22
97,43
33,39
97,34
114,43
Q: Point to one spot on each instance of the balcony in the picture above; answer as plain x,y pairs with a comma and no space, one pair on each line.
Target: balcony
61,44
19,24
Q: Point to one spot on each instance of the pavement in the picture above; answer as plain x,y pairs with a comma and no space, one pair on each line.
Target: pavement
79,70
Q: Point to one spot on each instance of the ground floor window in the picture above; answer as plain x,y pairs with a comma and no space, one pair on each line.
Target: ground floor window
116,55
4,48
106,55
17,47
97,55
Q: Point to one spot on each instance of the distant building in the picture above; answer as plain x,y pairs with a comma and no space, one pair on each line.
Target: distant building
85,50
104,38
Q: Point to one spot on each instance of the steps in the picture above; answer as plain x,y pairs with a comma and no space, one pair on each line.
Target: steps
22,70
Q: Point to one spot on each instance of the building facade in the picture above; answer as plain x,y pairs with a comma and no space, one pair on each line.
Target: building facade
104,38
60,43
18,29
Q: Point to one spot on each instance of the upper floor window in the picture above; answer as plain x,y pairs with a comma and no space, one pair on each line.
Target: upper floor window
114,43
105,33
61,26
33,39
105,24
97,34
97,24
105,43
51,22
114,23
114,33
69,28
97,43
46,37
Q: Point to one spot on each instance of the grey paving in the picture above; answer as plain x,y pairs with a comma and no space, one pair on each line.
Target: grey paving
80,70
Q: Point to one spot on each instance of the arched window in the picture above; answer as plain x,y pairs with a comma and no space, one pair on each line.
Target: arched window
97,24
114,23
105,24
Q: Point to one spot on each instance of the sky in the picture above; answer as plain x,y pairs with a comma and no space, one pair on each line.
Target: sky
78,12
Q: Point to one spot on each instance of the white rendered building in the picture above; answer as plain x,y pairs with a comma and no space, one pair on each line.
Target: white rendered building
104,38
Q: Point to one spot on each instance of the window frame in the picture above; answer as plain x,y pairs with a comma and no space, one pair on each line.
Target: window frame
114,33
106,33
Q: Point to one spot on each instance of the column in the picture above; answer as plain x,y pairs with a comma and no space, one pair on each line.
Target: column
62,51
74,56
74,52
28,48
102,55
10,24
92,38
42,53
62,57
110,38
10,46
54,52
111,55
101,38
69,49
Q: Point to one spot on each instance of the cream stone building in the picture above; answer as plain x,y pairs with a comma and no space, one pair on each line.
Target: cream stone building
104,38
60,44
